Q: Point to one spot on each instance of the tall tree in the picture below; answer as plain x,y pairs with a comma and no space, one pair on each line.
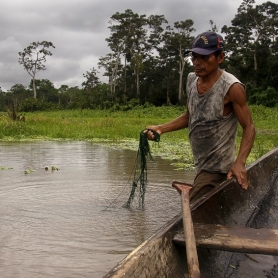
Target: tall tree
112,65
90,93
120,27
132,37
252,29
92,80
33,58
177,39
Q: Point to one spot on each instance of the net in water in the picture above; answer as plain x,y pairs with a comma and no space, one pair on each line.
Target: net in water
140,169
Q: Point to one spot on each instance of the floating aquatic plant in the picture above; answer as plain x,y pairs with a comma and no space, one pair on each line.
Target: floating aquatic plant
5,168
29,171
54,168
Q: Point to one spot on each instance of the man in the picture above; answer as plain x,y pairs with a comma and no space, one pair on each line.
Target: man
216,102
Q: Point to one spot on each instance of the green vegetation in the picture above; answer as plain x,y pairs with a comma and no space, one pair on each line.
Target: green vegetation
121,129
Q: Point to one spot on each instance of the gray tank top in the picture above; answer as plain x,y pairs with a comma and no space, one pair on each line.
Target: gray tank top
212,136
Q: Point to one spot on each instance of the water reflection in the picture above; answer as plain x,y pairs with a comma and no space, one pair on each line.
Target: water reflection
70,222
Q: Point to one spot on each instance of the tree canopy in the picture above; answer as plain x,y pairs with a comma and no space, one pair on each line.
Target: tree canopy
146,64
33,58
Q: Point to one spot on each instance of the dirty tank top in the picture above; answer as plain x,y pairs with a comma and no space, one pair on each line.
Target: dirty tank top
212,136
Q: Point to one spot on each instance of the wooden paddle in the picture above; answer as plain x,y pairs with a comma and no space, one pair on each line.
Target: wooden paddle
191,249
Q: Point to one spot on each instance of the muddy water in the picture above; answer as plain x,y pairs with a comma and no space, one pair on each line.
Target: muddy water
70,222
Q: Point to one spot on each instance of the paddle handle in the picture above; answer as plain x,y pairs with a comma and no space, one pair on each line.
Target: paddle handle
191,250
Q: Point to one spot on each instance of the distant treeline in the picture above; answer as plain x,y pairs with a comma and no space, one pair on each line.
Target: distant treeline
146,65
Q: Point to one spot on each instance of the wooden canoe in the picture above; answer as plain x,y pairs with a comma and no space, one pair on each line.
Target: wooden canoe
226,220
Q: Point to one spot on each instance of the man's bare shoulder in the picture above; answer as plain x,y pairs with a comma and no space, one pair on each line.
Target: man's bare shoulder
236,93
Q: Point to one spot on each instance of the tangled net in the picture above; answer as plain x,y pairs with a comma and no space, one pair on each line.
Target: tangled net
140,169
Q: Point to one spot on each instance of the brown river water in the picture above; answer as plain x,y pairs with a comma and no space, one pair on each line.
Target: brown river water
71,222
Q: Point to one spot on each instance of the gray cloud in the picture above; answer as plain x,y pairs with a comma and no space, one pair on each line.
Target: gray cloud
78,29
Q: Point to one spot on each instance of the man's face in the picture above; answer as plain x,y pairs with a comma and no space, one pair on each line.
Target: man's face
204,65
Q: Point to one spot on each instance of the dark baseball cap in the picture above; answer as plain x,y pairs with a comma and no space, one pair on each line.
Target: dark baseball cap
207,43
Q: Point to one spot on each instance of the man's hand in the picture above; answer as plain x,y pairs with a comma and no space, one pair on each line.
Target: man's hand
150,134
238,170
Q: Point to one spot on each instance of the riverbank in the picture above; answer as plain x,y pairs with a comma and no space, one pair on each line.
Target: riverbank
121,129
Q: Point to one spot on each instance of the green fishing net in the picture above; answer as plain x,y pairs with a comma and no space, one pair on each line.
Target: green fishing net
140,170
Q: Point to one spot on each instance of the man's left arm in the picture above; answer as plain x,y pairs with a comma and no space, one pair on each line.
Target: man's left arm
237,96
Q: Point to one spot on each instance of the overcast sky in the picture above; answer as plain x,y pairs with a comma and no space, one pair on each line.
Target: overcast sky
78,29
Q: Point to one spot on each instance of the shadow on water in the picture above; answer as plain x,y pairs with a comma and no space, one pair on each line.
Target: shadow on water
71,222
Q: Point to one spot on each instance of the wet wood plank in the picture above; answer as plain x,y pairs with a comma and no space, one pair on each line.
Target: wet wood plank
234,239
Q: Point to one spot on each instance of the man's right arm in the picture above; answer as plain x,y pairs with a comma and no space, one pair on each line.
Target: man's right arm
176,124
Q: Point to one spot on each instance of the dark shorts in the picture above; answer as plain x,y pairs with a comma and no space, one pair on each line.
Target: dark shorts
204,182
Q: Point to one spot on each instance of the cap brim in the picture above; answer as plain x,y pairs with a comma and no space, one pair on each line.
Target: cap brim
203,51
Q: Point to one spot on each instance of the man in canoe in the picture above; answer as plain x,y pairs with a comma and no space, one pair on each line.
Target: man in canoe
216,103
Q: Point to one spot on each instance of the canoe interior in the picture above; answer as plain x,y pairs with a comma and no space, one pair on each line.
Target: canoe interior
227,205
